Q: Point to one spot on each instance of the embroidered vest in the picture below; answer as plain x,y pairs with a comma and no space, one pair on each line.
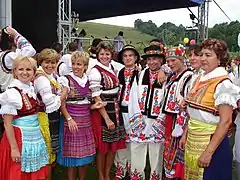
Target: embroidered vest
109,80
176,90
202,95
76,91
150,98
30,106
122,83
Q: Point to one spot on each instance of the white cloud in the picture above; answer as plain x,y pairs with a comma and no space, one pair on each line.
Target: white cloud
179,16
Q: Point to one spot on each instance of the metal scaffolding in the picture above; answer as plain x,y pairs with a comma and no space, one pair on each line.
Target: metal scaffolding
203,13
64,22
5,13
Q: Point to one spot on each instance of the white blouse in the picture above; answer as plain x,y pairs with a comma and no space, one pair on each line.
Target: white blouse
95,81
226,93
11,99
43,86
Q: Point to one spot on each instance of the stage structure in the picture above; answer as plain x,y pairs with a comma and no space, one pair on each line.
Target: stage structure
203,15
64,22
5,13
45,22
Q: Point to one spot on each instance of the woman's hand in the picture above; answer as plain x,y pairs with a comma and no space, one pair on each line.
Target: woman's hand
11,32
72,125
182,142
205,159
183,105
110,124
16,157
98,105
161,76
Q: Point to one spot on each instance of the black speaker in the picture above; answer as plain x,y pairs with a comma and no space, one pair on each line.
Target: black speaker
36,20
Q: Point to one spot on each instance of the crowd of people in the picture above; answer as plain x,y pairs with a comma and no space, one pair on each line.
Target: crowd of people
81,107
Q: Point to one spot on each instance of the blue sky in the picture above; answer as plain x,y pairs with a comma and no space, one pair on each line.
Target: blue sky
180,16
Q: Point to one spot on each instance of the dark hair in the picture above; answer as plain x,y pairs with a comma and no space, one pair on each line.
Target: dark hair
95,42
220,48
120,33
6,41
57,47
73,46
195,48
106,46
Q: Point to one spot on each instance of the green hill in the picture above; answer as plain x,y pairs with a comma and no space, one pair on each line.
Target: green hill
98,30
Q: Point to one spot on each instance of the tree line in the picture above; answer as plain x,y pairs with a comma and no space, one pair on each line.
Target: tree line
173,35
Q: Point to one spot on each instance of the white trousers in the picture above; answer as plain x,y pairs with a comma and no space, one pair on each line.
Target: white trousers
139,156
123,162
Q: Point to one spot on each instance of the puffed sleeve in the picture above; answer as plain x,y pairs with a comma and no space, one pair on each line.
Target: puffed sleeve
95,82
63,81
227,93
62,69
43,87
10,102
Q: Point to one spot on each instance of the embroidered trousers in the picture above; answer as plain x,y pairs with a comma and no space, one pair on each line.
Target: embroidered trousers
122,162
138,160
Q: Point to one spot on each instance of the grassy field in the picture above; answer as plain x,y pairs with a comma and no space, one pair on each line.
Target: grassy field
102,31
60,173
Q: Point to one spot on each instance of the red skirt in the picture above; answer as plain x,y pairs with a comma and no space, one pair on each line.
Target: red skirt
10,170
103,147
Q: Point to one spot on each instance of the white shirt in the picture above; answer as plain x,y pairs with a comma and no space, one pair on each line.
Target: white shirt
66,58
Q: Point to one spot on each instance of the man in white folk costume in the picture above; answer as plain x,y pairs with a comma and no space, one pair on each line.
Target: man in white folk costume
128,79
146,131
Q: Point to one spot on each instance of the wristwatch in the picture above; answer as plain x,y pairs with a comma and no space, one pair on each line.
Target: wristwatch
69,118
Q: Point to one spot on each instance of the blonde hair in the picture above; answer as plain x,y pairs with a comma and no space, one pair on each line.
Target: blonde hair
81,56
49,55
20,59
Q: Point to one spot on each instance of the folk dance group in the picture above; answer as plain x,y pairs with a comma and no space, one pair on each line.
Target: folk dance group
177,115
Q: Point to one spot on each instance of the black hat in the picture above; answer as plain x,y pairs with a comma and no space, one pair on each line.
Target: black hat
128,47
153,50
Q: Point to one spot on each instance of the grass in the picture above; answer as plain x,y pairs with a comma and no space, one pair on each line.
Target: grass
60,172
98,30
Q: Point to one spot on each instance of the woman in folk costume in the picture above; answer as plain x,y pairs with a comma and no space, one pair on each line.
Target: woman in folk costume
48,90
145,128
12,44
176,87
108,124
23,152
128,79
236,149
77,147
210,105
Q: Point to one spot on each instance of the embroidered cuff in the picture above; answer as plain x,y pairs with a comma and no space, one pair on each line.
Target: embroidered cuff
21,41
